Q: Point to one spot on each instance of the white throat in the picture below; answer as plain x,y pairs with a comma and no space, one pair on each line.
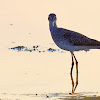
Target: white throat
52,26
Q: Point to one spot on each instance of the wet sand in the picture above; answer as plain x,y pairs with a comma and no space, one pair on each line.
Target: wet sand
81,98
50,96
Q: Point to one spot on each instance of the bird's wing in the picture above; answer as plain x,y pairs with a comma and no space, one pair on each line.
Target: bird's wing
78,39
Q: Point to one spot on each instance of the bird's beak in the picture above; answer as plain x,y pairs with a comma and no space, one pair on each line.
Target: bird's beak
53,23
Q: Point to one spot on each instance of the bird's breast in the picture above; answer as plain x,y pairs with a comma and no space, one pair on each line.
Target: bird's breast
61,43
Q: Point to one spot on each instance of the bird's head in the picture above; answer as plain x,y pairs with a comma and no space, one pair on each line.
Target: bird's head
52,17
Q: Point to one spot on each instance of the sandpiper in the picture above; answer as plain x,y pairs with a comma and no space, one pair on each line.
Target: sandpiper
70,41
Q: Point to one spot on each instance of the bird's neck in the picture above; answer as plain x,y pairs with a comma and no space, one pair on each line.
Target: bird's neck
52,26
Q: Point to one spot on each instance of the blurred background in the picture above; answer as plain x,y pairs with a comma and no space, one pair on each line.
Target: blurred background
25,23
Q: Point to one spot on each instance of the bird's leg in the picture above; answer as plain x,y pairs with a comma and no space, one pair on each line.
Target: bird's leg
71,74
76,72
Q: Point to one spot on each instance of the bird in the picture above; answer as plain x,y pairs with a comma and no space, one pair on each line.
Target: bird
71,41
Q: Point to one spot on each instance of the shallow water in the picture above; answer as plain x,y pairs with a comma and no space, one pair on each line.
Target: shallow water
50,96
43,75
32,67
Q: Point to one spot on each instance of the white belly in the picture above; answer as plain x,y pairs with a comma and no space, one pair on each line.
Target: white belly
71,48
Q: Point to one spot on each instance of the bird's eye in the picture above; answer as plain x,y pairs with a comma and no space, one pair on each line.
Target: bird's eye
49,18
54,18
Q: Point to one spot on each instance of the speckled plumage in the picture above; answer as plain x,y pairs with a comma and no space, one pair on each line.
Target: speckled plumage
71,41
